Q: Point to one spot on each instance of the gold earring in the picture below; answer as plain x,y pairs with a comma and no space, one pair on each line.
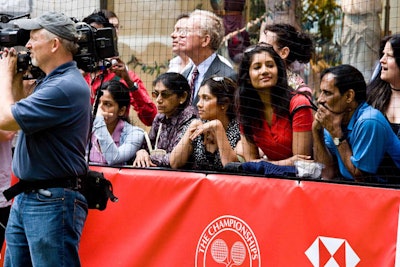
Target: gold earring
181,102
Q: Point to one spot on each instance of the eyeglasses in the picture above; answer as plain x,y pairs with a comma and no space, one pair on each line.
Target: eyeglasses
183,32
164,94
261,44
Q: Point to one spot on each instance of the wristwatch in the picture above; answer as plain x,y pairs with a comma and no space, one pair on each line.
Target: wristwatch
337,141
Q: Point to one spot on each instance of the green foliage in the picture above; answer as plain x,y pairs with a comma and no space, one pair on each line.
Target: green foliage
324,13
257,10
319,18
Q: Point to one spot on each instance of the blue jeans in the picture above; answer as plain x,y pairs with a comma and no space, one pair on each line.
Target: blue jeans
45,230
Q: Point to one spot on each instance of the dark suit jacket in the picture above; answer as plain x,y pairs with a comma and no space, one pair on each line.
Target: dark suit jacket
217,68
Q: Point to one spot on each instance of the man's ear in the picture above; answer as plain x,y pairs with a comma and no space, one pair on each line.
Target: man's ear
284,52
350,95
56,43
206,40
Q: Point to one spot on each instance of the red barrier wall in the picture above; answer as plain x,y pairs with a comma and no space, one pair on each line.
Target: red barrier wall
170,218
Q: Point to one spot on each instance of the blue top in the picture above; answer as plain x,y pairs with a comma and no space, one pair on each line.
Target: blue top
118,148
370,137
54,122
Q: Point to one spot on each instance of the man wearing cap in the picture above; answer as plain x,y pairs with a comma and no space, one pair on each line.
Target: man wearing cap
48,213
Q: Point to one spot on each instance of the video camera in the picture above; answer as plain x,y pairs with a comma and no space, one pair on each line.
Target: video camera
10,37
95,46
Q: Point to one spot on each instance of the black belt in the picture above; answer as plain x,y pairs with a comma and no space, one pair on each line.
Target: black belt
73,183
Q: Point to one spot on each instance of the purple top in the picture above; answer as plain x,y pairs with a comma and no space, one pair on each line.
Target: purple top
172,130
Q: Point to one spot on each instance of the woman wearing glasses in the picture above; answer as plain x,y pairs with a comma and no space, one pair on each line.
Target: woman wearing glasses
210,143
272,117
171,92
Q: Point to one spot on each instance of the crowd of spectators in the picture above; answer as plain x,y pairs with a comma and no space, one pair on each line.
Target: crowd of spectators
208,111
203,115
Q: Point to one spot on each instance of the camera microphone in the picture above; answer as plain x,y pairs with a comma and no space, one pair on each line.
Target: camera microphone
23,37
134,87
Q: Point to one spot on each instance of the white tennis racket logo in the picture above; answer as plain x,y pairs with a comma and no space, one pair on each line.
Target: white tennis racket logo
220,251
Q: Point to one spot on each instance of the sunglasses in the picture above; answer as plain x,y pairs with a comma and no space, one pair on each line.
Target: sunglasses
225,82
217,79
221,79
164,94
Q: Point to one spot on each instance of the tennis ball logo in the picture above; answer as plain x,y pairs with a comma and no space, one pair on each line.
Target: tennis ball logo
227,241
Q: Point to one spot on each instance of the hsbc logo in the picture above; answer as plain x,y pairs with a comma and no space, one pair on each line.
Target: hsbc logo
331,252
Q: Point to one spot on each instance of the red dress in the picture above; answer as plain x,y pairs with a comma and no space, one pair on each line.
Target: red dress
140,99
276,140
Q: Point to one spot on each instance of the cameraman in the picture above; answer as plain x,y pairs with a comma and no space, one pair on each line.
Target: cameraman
48,213
140,99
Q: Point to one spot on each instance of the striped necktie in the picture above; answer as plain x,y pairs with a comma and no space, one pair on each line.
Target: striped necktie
192,82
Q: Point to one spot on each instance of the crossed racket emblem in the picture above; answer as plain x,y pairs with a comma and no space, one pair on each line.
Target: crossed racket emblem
220,253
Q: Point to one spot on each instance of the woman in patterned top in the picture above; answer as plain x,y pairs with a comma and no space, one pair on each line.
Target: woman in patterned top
210,143
172,96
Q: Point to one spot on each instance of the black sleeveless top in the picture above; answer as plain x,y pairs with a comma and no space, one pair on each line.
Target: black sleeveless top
396,128
387,170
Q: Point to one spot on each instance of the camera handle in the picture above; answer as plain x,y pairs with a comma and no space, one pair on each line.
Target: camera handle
5,18
97,96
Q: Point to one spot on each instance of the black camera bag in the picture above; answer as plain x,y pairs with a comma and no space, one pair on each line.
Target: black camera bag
97,190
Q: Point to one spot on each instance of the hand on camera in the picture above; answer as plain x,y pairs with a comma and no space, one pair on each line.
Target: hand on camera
8,59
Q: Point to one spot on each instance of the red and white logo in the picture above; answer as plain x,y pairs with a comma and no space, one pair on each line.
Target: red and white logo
227,241
332,252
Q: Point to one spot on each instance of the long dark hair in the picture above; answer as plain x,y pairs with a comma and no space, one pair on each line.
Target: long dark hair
250,106
379,91
300,44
